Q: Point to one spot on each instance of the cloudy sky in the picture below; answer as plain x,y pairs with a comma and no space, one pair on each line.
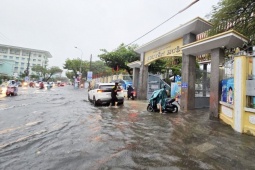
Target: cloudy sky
58,26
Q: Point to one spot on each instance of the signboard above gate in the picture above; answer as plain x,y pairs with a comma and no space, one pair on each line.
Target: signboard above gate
168,50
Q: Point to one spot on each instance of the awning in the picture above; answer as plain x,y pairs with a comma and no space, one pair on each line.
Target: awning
228,39
135,64
195,26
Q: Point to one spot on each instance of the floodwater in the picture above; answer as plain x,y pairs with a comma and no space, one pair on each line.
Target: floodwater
60,129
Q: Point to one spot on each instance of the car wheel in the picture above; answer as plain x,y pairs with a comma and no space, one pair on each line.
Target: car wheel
149,108
94,102
89,98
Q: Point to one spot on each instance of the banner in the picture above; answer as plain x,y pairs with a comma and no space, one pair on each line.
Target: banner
89,76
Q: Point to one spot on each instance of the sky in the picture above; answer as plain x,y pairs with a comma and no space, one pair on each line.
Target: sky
58,26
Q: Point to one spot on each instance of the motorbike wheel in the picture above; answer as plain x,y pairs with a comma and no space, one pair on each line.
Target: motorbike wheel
175,109
149,108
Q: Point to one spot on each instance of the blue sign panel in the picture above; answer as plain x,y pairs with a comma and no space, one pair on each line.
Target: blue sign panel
184,85
89,76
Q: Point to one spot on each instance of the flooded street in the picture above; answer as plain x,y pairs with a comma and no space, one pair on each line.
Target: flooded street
60,129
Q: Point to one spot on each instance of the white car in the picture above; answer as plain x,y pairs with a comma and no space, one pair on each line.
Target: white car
101,94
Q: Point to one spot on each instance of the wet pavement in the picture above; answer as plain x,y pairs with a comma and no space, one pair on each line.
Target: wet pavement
60,129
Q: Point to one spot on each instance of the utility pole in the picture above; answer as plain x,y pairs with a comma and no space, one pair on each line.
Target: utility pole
90,62
28,63
90,70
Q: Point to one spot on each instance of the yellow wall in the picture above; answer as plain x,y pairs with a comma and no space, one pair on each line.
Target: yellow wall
239,117
249,122
226,114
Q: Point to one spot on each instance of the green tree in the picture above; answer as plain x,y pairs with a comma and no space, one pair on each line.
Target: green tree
99,67
157,66
74,65
70,74
119,58
52,71
46,73
40,70
234,14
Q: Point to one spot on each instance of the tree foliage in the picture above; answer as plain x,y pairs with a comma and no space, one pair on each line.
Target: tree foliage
75,65
46,73
157,66
119,58
234,14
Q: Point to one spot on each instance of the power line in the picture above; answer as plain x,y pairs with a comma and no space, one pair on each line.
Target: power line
4,37
195,1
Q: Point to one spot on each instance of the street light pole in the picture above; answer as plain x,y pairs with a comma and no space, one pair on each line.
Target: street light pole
90,62
81,57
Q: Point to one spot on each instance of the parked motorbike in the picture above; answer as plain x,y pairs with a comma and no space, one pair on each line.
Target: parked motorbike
169,106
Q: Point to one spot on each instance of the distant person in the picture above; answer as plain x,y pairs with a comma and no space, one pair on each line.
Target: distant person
114,95
129,91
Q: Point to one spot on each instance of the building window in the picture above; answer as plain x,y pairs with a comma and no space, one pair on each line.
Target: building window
25,53
3,50
17,58
15,51
5,56
34,59
39,60
22,64
10,57
16,63
34,64
23,59
39,55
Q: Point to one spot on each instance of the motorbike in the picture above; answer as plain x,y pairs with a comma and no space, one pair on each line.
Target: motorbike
32,84
132,95
11,91
169,106
49,86
41,85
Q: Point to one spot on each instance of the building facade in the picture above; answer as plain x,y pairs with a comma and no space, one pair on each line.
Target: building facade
15,60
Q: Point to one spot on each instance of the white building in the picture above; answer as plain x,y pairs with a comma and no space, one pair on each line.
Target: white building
22,58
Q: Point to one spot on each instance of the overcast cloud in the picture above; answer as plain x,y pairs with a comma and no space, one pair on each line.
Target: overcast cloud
58,26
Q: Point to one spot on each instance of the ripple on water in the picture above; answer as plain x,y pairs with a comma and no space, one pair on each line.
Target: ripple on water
6,107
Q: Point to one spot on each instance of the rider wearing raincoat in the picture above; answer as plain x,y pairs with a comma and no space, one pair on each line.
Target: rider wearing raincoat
159,97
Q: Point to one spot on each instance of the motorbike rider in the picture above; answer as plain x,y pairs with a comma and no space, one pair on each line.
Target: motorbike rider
14,85
162,97
114,95
129,91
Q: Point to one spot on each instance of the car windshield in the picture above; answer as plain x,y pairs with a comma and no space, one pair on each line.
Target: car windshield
106,87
